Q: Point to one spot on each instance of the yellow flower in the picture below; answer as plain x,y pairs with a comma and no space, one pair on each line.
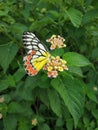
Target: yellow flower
50,68
1,99
60,68
34,122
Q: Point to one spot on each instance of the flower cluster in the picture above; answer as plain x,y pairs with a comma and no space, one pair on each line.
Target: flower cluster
54,65
56,41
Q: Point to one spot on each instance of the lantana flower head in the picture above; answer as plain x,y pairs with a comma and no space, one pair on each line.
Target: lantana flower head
56,42
54,65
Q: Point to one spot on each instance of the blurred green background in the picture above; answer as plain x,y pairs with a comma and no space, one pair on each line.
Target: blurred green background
38,102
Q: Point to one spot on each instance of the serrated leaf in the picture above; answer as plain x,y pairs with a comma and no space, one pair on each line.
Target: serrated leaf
6,58
55,102
72,93
75,16
75,59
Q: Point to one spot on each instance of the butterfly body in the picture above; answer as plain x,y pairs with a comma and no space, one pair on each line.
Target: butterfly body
37,54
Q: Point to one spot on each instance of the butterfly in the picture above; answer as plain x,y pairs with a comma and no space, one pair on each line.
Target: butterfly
37,54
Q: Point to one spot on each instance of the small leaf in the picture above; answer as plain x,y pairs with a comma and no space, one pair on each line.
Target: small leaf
6,58
11,81
19,74
75,59
55,102
56,52
3,84
75,16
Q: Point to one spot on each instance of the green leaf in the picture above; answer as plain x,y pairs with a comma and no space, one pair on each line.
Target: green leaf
41,23
75,16
11,81
91,94
72,93
3,84
19,74
43,127
24,89
57,52
59,122
55,102
23,124
43,96
6,58
75,70
75,59
90,15
10,122
3,13
15,107
18,29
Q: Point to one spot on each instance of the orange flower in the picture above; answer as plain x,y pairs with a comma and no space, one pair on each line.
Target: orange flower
56,41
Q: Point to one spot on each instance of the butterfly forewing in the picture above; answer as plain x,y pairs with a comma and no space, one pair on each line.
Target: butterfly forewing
37,54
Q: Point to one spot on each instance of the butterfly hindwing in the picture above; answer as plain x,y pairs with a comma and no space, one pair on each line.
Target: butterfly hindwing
37,54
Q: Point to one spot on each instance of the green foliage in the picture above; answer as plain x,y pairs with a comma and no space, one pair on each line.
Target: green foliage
68,101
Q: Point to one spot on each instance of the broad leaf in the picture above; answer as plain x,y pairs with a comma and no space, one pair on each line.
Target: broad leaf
75,71
19,74
3,84
7,53
75,16
72,93
24,90
75,59
55,102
